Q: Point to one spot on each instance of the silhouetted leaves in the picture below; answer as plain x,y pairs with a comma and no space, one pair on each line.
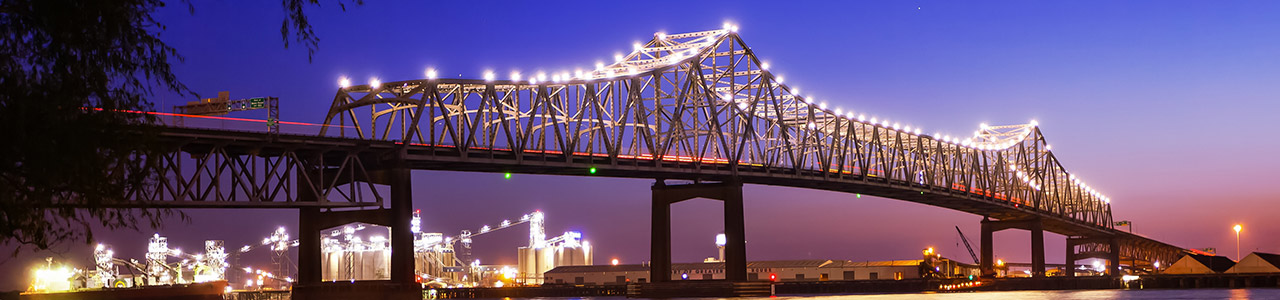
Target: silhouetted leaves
73,77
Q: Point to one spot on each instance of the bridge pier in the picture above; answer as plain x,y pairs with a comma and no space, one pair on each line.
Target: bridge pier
312,221
730,192
1037,244
1112,254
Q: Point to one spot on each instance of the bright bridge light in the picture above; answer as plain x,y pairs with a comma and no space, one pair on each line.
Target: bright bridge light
374,83
344,82
431,73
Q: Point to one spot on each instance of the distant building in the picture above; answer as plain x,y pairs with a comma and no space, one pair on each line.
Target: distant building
786,270
1200,264
1257,262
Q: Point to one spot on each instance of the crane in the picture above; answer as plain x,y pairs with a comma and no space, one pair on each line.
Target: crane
966,245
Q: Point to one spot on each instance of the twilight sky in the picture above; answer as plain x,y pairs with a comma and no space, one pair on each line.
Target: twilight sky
1164,106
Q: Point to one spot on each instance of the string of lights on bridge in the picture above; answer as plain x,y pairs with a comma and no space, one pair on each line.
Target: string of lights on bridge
694,51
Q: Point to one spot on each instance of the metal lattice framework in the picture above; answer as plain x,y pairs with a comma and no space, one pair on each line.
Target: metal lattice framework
228,169
703,101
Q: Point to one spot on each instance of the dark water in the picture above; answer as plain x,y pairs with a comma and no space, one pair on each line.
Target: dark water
1197,294
1076,295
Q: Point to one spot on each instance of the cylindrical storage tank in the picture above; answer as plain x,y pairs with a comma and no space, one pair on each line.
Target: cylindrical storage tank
527,265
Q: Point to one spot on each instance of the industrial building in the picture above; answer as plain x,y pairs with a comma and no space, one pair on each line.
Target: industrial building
565,250
362,252
783,270
1200,264
1257,262
931,265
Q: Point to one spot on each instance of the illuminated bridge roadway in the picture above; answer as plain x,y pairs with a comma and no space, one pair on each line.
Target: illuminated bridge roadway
698,112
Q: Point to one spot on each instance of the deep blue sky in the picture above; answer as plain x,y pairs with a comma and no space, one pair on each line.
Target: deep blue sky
1168,107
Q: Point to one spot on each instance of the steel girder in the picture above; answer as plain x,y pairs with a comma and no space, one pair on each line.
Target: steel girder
227,169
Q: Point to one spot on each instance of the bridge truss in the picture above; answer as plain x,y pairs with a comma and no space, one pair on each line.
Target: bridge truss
704,99
222,169
702,106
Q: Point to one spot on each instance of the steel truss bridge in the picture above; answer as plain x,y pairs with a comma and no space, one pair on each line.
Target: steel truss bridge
697,107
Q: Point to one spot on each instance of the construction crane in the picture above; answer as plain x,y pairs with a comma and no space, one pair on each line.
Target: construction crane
967,246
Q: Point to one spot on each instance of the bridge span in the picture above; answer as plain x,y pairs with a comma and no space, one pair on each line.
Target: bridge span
694,107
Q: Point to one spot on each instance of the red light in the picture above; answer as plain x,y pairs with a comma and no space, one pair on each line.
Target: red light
773,277
417,211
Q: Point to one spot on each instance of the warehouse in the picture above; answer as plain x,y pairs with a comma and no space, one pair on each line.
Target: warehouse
1200,264
784,270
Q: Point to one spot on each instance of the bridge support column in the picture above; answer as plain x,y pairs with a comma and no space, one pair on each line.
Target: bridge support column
735,249
309,273
402,271
987,264
1037,248
1071,259
309,225
1037,244
660,236
1113,257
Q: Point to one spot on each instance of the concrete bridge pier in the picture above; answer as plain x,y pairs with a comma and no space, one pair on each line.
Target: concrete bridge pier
1111,254
312,221
735,249
986,264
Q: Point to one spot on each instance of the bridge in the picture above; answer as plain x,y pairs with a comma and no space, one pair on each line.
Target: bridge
697,112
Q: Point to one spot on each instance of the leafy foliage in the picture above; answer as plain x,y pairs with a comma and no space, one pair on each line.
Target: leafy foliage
73,75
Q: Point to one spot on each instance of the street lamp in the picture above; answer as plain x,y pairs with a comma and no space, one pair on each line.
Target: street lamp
1238,228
